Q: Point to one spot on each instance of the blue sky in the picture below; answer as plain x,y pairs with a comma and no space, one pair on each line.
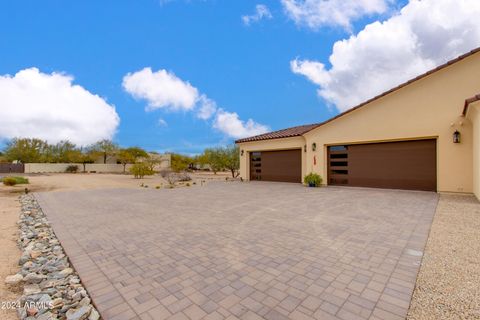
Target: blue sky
244,69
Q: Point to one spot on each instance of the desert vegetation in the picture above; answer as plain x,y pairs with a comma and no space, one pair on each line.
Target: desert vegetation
33,150
212,159
12,181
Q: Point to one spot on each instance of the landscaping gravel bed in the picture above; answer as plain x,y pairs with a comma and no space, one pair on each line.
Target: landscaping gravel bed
448,285
51,288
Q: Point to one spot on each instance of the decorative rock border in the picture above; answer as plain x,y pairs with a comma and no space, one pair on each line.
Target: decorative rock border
51,288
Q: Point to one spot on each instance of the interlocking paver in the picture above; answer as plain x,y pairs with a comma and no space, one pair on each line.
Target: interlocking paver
245,250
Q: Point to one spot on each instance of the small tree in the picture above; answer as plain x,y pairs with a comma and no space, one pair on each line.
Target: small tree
106,148
83,157
125,157
3,158
214,159
180,162
140,170
137,152
227,158
61,152
231,159
25,150
131,155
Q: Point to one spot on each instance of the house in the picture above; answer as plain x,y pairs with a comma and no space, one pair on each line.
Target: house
163,160
421,135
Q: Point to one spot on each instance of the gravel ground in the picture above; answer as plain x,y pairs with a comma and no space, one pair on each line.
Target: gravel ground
448,285
51,288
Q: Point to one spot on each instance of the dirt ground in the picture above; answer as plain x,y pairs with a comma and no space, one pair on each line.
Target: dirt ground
9,210
82,181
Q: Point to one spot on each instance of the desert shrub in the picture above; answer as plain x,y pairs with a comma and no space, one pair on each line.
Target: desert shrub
11,181
313,180
21,180
172,178
183,177
72,169
157,187
140,170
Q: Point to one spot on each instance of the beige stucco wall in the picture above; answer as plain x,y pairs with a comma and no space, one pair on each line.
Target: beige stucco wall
428,108
269,145
473,116
61,167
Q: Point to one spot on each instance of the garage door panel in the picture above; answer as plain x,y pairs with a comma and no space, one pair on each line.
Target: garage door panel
280,166
398,165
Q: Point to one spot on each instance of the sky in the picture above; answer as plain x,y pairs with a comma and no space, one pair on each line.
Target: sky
185,75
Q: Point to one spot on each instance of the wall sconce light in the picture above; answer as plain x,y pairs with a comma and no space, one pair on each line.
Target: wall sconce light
241,152
314,146
305,148
456,137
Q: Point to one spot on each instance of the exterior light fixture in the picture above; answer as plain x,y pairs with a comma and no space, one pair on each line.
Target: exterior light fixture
314,146
456,137
305,148
241,152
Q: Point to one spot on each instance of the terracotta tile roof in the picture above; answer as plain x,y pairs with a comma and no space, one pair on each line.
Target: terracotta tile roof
292,132
284,133
468,101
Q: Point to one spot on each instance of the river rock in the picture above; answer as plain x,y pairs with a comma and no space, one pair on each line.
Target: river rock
30,289
94,315
65,272
14,280
45,316
81,313
34,278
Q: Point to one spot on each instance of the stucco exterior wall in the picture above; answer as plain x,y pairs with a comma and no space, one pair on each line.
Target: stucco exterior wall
428,108
473,116
61,167
268,145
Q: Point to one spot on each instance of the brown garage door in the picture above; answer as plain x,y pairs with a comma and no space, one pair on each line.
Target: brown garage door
282,165
397,165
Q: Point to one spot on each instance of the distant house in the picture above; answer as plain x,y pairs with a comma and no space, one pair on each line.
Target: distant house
164,160
421,135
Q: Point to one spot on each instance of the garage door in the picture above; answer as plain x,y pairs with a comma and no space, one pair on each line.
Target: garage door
397,165
282,165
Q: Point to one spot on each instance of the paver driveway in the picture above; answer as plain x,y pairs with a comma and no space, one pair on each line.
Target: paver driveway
245,250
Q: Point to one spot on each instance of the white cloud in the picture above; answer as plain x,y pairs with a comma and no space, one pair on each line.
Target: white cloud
162,89
207,107
384,54
51,107
162,123
319,13
261,12
230,124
